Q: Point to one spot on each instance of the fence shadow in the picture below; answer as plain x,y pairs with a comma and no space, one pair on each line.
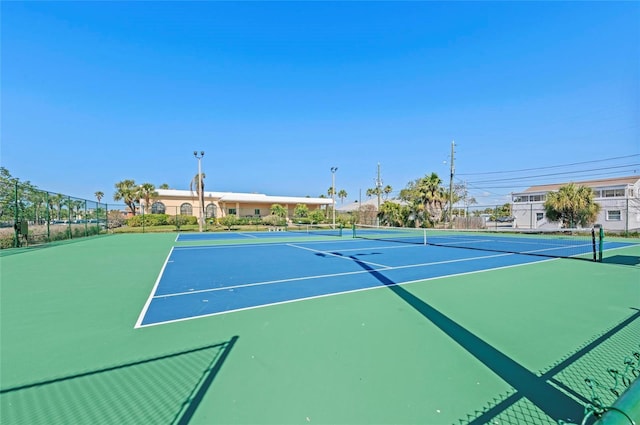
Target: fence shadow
165,389
544,397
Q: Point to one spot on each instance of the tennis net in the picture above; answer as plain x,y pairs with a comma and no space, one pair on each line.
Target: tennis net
584,244
316,229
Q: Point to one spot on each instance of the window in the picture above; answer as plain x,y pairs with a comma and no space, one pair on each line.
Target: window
185,209
157,208
256,212
211,211
537,198
539,216
232,211
521,198
614,215
612,193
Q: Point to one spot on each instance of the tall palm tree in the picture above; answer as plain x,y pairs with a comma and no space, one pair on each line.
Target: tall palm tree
197,185
80,206
387,190
55,203
342,194
127,191
330,192
370,192
147,192
99,195
425,197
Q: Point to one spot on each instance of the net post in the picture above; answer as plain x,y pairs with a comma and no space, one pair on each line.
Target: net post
593,243
601,242
424,236
340,231
353,229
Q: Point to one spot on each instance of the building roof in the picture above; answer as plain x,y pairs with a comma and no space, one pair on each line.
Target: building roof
245,197
354,206
614,181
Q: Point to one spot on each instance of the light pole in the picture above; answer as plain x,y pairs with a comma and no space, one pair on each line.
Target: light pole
201,195
333,192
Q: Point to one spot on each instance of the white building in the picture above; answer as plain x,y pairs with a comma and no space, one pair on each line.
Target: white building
618,197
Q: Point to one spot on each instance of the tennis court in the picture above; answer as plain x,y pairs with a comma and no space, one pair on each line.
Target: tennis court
281,327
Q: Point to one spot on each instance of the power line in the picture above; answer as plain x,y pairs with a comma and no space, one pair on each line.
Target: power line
549,167
555,174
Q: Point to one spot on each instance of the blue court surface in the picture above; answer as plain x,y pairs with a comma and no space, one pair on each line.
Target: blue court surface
199,281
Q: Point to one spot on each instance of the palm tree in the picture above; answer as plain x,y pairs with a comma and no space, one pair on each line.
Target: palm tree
426,198
342,194
128,192
370,192
330,192
391,214
163,186
79,206
147,191
572,205
387,190
55,203
99,195
197,186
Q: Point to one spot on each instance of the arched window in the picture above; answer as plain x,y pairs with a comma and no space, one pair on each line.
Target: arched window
157,208
211,211
185,209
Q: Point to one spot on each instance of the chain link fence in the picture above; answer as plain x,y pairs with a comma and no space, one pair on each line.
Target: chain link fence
30,216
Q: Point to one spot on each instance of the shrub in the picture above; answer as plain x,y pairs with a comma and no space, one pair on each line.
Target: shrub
149,220
228,221
181,220
115,219
274,220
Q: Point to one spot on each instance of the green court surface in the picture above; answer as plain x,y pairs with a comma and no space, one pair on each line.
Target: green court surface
512,345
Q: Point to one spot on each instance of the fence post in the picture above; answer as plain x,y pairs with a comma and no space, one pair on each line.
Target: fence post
16,238
69,208
46,200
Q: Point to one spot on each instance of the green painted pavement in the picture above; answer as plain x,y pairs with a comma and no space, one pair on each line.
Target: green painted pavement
360,358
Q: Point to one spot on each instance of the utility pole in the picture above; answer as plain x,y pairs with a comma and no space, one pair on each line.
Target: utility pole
378,192
453,144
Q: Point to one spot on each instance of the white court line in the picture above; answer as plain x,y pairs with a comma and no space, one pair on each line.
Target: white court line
344,292
294,279
153,291
265,244
336,255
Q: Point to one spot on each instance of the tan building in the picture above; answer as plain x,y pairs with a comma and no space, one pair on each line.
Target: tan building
220,204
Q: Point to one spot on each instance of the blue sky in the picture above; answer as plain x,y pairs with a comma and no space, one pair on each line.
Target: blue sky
277,93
